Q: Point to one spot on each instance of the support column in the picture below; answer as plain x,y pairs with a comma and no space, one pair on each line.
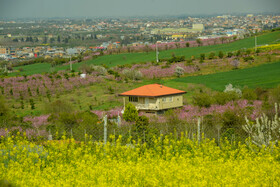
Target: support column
124,102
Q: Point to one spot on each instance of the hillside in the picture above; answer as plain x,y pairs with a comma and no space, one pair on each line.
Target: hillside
266,76
128,58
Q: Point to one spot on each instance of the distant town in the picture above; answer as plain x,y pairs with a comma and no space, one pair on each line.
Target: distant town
28,39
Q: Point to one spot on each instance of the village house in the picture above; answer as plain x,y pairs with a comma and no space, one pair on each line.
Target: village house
154,98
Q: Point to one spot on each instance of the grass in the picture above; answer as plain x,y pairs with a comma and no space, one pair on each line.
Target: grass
40,68
129,58
96,97
266,76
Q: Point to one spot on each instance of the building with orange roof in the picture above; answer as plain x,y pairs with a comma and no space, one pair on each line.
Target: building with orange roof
154,98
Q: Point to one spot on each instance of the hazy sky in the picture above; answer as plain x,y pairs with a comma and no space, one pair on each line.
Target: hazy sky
93,8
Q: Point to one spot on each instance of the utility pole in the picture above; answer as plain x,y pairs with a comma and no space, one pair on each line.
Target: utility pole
70,62
157,52
255,43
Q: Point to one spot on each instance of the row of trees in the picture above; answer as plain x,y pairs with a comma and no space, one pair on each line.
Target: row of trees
44,39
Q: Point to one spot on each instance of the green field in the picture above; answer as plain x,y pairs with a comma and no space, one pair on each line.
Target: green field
266,76
128,58
41,68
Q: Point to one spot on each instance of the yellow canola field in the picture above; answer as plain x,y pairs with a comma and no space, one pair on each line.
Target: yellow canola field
167,162
269,47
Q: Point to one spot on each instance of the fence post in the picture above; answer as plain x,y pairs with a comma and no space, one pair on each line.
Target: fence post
119,120
218,137
218,128
198,130
50,135
85,136
105,129
201,127
115,136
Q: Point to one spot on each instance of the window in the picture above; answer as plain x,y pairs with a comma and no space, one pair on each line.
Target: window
167,99
170,99
133,99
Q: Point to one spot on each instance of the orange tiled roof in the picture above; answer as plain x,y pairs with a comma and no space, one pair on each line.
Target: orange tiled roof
152,90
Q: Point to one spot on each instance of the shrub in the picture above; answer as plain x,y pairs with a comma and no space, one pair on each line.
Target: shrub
78,122
265,131
116,74
132,74
203,100
248,58
249,94
238,53
66,76
221,54
32,104
230,88
261,93
202,57
179,71
100,69
141,124
176,59
199,42
248,51
111,90
130,113
274,95
235,63
68,120
258,51
232,120
222,98
85,68
268,58
21,104
189,61
58,106
229,54
211,56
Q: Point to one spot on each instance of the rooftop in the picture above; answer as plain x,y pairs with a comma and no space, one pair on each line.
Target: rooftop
152,90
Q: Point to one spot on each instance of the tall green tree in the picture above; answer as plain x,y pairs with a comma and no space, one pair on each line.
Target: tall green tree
130,113
51,40
45,40
199,42
58,39
221,54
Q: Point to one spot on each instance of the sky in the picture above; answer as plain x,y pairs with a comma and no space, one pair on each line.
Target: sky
111,8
